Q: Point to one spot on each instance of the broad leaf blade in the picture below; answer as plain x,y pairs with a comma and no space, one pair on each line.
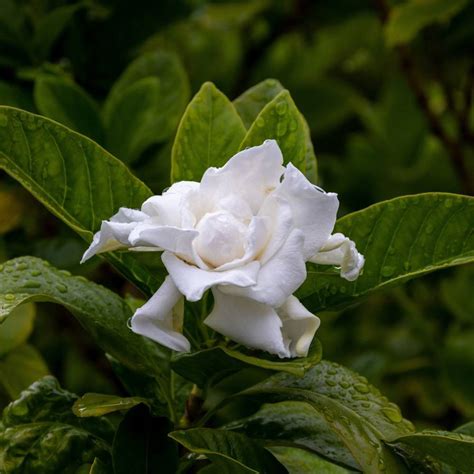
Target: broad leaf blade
74,178
232,452
455,449
401,239
98,404
208,365
141,444
60,99
209,134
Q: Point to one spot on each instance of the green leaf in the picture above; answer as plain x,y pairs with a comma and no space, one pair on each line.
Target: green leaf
298,424
252,101
208,365
102,313
98,404
60,99
20,368
281,120
209,134
141,444
299,461
15,96
17,330
145,104
51,27
39,432
455,449
401,239
230,452
467,428
353,410
407,19
99,467
75,179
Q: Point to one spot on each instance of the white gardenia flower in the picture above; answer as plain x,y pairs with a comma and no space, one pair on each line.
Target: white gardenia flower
245,232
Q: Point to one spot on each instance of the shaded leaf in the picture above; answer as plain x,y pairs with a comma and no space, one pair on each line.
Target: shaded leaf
401,239
210,365
98,404
60,99
141,444
17,329
229,452
209,134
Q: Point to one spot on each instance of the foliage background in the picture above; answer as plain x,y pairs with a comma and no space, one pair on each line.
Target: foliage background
386,88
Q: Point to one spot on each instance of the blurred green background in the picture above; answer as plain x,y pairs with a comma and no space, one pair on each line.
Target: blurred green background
386,88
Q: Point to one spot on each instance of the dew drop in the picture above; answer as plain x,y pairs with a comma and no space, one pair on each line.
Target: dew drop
21,266
361,387
281,108
260,122
1,267
393,414
293,125
62,288
31,284
344,384
64,273
387,271
10,297
331,382
35,273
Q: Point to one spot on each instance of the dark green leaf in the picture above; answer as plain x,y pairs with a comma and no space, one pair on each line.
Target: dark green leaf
253,100
209,134
98,404
39,433
60,99
281,120
51,27
231,453
408,18
401,239
145,104
20,368
141,444
15,96
299,461
74,178
455,449
208,365
100,311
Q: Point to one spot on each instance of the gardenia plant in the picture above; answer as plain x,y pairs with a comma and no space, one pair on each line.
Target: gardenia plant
230,375
246,232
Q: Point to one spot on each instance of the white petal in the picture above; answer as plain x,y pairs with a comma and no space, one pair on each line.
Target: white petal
161,318
278,213
247,322
193,281
280,276
114,234
314,211
299,326
165,209
173,239
252,174
341,251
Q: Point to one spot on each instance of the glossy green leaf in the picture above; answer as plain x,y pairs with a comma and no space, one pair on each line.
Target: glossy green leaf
145,104
74,178
299,461
230,452
141,444
408,18
298,424
39,433
102,313
209,365
455,449
401,239
209,134
252,101
50,27
20,368
60,99
353,410
281,120
17,330
98,404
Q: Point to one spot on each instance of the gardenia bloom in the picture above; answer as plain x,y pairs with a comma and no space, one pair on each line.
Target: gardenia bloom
245,232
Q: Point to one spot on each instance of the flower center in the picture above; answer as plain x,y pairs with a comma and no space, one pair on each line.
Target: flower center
221,238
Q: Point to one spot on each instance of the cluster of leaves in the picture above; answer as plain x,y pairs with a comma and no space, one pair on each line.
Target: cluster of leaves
247,412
